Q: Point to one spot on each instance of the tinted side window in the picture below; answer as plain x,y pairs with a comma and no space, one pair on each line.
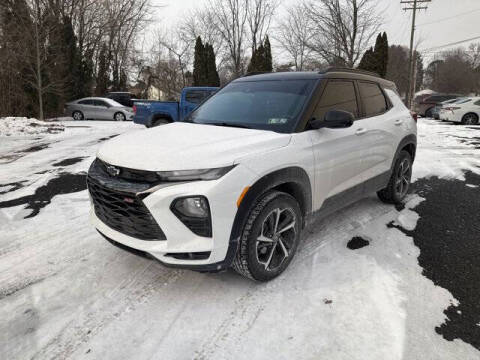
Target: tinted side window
476,102
86,102
196,96
373,99
338,95
100,103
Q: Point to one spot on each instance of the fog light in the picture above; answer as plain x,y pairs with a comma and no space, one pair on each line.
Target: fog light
194,212
193,207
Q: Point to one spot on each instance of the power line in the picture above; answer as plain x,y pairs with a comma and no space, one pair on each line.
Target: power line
450,17
451,44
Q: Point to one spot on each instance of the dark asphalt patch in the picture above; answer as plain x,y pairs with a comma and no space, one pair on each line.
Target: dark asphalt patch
448,235
357,243
71,161
33,148
107,138
14,186
65,183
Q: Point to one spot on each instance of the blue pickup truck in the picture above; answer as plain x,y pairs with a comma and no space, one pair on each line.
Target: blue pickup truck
153,113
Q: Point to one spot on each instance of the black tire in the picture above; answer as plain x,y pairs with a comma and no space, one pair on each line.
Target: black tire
393,194
428,113
280,249
470,119
119,116
161,121
77,115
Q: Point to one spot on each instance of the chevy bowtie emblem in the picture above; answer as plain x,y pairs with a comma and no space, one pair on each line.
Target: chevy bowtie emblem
113,170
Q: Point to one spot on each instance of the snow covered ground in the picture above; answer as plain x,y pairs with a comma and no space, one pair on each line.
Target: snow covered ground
66,293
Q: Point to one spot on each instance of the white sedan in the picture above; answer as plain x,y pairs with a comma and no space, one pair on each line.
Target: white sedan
466,111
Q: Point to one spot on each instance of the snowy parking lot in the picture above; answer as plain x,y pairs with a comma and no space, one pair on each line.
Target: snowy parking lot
373,281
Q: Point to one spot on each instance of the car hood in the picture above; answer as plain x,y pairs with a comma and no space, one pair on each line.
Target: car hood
187,146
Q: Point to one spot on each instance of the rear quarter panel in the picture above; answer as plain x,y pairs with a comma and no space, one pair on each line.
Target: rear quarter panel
147,110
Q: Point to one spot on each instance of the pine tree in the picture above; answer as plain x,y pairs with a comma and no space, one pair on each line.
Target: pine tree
376,59
199,64
212,74
383,56
103,72
261,60
268,55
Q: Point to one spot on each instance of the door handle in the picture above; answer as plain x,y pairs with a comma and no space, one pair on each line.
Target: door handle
360,131
398,122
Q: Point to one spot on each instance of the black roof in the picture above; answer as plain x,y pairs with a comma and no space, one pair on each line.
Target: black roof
337,73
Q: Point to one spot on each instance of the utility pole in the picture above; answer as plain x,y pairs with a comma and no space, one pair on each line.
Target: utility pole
415,5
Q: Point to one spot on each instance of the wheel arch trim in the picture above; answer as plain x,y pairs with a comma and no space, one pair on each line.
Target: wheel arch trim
295,177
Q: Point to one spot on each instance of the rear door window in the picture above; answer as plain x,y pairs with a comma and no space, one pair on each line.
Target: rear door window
338,95
374,101
196,96
101,103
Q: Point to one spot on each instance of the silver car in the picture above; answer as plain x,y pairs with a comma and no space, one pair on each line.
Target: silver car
98,108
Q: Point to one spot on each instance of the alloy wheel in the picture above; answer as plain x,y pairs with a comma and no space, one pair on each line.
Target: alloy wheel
119,117
277,236
404,175
469,119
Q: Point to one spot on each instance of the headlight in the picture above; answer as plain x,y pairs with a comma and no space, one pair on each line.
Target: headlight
189,175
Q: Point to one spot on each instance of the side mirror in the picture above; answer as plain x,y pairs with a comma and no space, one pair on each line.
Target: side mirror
334,119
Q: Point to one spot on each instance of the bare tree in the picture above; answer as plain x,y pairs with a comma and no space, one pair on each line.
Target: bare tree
260,13
293,34
342,29
229,18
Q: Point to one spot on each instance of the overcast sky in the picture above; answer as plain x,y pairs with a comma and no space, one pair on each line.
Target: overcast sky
445,21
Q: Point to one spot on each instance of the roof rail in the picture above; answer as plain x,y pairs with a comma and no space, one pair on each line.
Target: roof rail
256,73
355,71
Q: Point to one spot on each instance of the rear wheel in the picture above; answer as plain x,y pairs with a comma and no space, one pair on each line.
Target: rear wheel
470,119
119,116
77,115
429,113
270,237
399,183
161,121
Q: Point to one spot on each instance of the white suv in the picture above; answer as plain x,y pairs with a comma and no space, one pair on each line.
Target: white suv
235,183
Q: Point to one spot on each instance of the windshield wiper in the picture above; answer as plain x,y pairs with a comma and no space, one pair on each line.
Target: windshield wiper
228,125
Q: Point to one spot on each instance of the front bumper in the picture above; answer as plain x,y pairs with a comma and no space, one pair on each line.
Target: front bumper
222,195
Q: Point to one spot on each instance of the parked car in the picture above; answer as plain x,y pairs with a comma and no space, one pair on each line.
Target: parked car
436,110
235,184
425,107
153,113
99,109
447,106
124,98
466,112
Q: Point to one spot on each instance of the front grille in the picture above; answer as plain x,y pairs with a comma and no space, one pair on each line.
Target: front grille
123,211
142,176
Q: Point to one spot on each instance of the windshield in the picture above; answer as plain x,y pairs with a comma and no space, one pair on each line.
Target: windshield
270,105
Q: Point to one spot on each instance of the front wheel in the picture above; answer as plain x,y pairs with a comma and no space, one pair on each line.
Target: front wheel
119,116
399,183
270,237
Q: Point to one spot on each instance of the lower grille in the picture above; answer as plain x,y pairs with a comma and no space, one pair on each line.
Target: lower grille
124,212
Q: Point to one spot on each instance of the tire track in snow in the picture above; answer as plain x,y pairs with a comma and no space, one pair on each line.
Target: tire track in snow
123,298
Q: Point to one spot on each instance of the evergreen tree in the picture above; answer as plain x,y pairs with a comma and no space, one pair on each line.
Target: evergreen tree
103,72
368,61
212,74
261,60
268,55
200,77
376,59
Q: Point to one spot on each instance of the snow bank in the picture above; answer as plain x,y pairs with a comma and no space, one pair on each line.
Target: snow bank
11,126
